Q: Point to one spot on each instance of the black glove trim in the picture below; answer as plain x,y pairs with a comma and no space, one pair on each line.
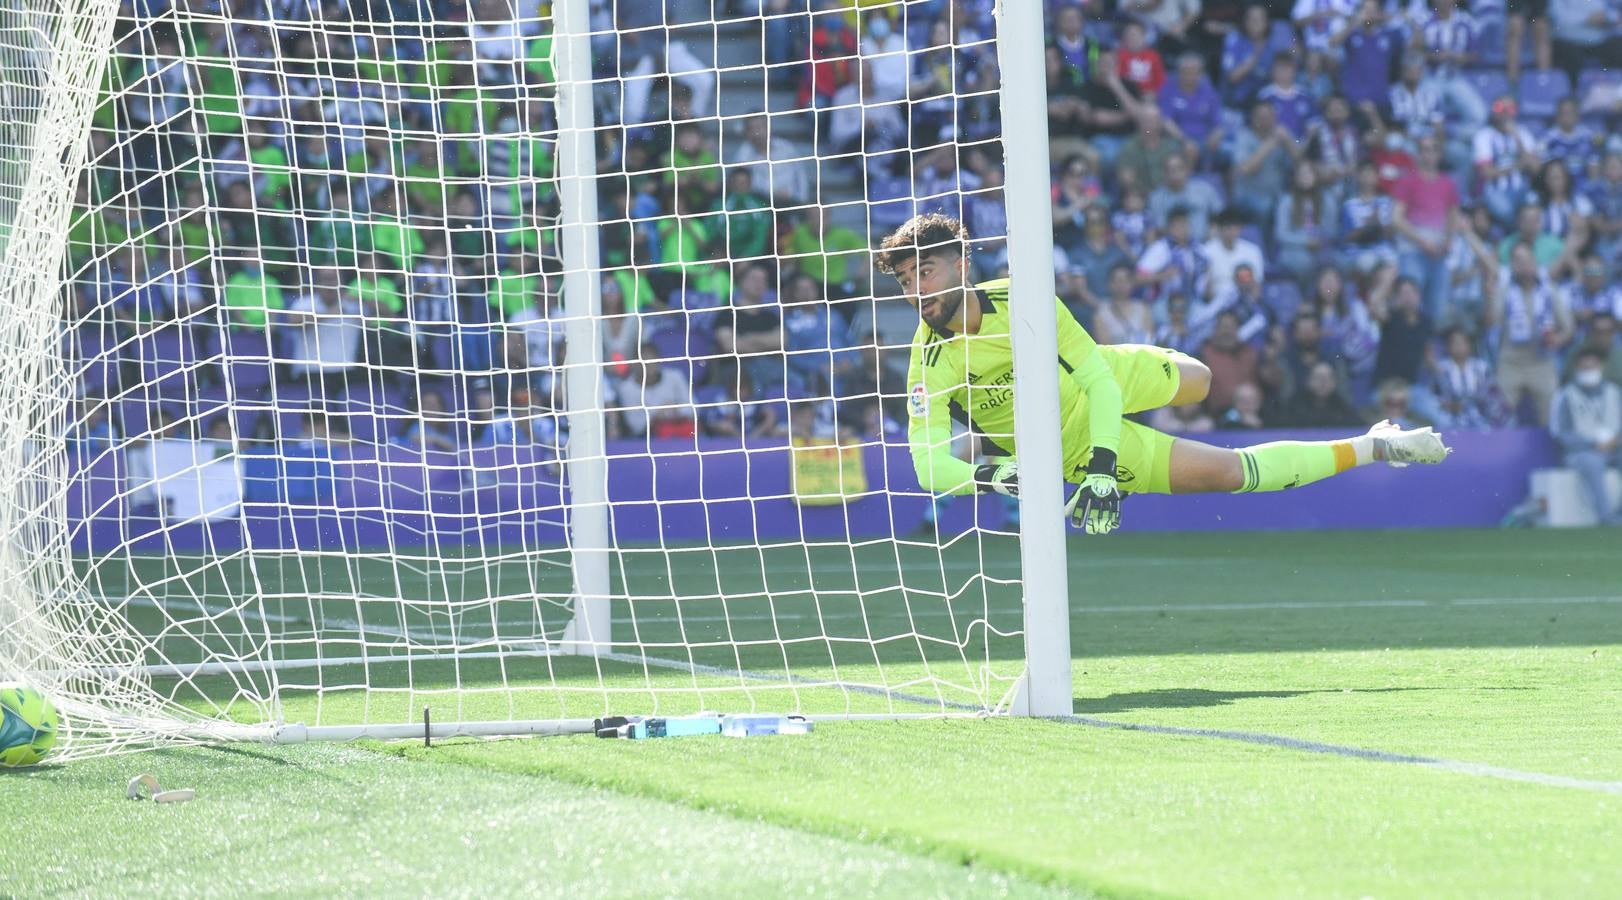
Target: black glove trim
1102,462
985,478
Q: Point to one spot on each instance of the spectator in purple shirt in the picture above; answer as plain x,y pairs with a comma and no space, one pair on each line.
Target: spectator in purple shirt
1570,140
1370,49
1248,53
1191,105
1294,107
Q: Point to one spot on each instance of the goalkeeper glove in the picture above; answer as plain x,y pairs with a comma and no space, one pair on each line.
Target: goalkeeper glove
1096,504
1000,478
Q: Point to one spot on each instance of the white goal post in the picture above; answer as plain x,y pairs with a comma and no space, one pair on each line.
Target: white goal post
522,363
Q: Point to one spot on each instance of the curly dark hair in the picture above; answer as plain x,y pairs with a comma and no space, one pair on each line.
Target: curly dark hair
929,234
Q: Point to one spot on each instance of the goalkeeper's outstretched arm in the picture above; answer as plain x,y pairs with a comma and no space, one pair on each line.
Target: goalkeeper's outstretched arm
929,436
1096,504
1079,355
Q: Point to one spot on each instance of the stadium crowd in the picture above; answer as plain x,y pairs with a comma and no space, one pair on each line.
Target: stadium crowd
1349,211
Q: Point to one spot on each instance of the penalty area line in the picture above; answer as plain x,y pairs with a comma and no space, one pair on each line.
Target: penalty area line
1454,766
1283,742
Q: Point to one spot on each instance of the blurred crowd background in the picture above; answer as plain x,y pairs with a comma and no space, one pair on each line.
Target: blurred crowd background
337,222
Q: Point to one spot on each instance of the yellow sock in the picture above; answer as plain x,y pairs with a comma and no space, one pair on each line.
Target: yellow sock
1286,464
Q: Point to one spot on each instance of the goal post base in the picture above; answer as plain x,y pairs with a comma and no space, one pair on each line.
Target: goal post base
587,633
1017,700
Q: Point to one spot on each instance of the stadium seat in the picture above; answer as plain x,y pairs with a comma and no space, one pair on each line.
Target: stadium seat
441,353
710,395
1589,79
691,299
654,322
138,416
363,424
290,404
670,343
248,363
90,349
1541,91
1490,43
168,360
1489,83
261,478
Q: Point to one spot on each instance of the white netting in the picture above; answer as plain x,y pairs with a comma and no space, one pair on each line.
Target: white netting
291,442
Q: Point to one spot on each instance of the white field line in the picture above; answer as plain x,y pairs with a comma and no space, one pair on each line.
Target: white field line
660,617
475,643
1160,609
1457,767
1453,766
191,605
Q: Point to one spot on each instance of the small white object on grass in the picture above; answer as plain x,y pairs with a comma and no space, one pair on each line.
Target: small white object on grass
158,794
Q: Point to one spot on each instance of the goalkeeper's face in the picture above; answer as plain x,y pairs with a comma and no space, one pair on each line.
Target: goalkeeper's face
934,284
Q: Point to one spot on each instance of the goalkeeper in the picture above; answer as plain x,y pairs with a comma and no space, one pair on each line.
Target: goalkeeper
962,367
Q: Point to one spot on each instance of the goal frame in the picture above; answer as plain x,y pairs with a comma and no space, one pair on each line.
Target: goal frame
1045,688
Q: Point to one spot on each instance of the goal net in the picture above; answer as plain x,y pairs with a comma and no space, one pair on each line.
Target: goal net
522,362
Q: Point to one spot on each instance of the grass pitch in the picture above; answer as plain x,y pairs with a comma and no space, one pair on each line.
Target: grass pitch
1354,714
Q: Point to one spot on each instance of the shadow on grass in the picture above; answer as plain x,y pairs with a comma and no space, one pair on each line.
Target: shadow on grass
1190,698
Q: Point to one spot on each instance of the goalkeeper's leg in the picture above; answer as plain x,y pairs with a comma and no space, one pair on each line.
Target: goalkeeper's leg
1194,468
1151,377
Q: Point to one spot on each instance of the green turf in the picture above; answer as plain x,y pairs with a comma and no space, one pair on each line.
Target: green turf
329,820
1120,813
1497,648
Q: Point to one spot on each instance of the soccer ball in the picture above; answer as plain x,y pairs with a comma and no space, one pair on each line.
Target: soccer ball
27,725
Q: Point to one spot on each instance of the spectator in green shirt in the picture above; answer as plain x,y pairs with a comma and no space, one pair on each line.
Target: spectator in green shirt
379,296
399,242
748,217
539,61
517,285
91,231
689,250
251,293
425,178
693,165
835,256
272,173
634,288
214,76
388,334
335,237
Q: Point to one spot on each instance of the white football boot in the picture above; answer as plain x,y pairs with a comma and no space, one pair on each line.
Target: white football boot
1415,445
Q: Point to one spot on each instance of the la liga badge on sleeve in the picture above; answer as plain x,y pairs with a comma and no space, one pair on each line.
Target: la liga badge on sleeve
918,401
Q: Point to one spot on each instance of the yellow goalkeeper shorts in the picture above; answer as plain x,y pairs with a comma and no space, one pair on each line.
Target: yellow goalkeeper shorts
1148,375
1142,464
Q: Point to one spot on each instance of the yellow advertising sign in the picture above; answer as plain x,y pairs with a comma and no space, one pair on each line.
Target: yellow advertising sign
826,474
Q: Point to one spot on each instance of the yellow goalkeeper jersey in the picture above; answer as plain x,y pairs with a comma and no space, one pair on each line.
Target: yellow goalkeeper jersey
970,378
